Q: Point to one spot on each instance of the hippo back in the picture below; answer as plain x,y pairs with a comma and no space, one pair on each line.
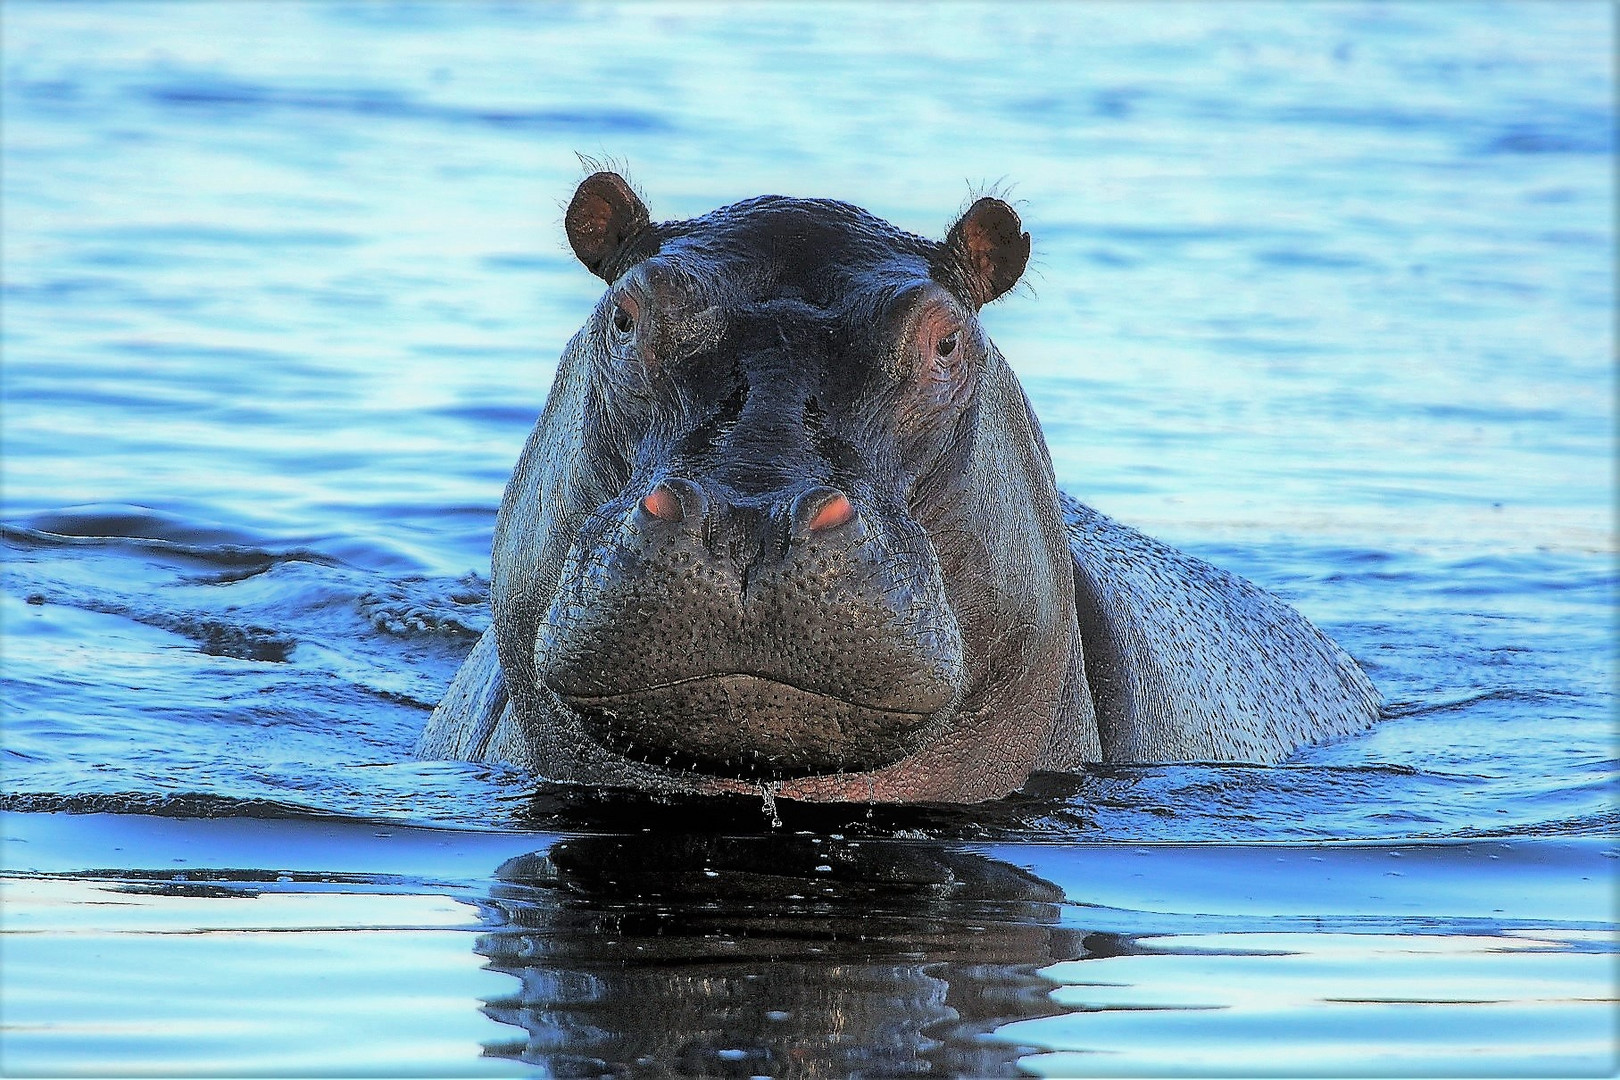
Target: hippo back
1190,663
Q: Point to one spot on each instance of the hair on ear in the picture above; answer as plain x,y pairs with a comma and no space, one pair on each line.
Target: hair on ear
985,252
591,163
604,214
1004,189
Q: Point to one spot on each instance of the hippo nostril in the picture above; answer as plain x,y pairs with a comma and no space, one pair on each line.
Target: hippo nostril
835,511
821,509
676,499
663,503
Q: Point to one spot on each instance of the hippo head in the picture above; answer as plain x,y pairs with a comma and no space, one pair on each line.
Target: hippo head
787,517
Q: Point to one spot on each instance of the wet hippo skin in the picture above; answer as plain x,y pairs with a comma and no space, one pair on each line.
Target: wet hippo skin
788,520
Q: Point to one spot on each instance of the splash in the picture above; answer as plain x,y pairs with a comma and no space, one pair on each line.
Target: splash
767,792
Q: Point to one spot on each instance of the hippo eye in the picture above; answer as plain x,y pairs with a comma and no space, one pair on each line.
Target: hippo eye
943,348
624,320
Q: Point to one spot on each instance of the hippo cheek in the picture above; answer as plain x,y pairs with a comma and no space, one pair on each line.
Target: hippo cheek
752,727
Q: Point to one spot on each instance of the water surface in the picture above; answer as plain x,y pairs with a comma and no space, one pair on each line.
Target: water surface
1323,294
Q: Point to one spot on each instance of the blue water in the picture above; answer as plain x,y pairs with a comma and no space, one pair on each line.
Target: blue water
1322,293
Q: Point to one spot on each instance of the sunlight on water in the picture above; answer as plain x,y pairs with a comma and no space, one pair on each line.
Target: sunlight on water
1272,1004
208,979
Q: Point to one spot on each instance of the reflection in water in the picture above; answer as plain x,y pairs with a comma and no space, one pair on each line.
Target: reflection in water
690,955
792,955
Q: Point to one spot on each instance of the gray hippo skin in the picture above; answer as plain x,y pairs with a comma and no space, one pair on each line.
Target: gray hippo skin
788,522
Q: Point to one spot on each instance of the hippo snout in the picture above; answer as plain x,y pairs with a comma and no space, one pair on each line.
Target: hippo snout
803,632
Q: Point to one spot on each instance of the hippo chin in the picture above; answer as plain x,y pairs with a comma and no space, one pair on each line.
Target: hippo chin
788,520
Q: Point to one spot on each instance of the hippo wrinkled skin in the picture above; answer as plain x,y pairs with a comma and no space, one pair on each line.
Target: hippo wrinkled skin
788,522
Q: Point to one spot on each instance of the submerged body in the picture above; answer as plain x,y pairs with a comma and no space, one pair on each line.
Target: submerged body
788,519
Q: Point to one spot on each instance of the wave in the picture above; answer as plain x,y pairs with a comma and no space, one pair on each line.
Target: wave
1454,703
158,804
222,97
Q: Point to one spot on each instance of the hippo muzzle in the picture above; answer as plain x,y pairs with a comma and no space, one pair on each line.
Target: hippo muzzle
769,637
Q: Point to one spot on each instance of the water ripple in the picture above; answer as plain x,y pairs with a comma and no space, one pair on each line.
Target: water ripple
229,99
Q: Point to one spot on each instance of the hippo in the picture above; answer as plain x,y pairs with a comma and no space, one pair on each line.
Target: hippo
787,524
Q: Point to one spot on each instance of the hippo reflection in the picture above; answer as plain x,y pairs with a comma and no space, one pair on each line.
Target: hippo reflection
785,955
788,520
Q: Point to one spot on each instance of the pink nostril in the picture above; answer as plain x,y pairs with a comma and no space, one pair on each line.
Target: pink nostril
662,503
834,512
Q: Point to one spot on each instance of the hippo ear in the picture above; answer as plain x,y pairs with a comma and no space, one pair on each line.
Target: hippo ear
603,215
985,252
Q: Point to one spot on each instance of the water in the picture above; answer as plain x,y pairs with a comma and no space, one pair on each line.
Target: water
1323,294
